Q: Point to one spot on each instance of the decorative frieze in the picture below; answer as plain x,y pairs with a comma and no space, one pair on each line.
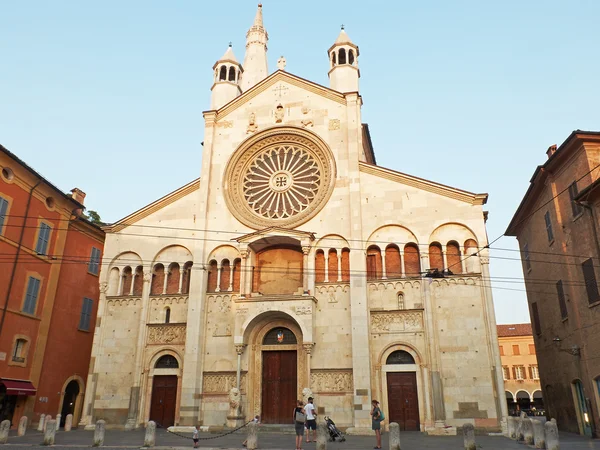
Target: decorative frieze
324,381
396,321
221,303
456,281
303,310
394,285
123,301
221,382
168,300
166,334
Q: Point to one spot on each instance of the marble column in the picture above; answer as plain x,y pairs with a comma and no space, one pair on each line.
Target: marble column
463,261
132,283
219,268
308,350
383,268
445,256
239,349
181,272
326,258
402,267
165,279
231,266
339,266
244,269
121,283
305,252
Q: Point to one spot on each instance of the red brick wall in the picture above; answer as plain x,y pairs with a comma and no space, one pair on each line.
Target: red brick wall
453,257
225,275
211,285
345,264
392,262
158,280
127,280
173,279
374,267
412,260
138,281
436,260
332,265
237,267
319,266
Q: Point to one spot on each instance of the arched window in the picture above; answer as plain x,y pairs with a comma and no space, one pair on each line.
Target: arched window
167,315
471,262
173,279
225,275
113,281
523,400
342,57
237,266
211,285
333,58
332,265
279,336
187,276
223,74
350,57
374,269
232,73
436,260
127,280
453,257
400,357
138,280
401,304
158,280
167,362
345,264
538,400
412,260
320,266
393,267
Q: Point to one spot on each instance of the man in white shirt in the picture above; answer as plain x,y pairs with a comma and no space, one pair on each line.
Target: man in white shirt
311,420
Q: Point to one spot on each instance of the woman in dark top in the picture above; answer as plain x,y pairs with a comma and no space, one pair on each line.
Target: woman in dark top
299,425
376,418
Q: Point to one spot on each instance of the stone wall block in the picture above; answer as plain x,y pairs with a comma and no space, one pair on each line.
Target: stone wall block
252,440
99,433
394,436
50,432
69,422
150,437
551,435
322,436
538,434
4,427
511,423
469,436
528,431
41,422
22,426
520,436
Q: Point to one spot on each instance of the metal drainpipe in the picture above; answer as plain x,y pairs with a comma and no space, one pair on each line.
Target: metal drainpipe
14,267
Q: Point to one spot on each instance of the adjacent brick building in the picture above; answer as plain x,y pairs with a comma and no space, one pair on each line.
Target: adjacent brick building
49,255
556,225
520,369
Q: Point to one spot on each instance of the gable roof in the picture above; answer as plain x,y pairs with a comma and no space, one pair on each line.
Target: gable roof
537,181
153,207
270,81
426,185
517,329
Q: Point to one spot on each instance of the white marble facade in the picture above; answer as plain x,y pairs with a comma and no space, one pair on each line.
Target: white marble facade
292,226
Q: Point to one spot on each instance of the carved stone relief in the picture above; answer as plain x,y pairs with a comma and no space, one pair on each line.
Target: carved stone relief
306,120
279,113
334,124
303,310
166,334
252,127
221,330
222,382
331,380
396,321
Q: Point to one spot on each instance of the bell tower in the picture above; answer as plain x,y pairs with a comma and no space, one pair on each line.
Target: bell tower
343,62
227,76
255,60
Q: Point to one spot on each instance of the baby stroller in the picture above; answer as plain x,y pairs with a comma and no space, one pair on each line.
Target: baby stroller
334,433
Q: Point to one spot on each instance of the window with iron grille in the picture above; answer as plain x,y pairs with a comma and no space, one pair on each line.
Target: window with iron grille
400,357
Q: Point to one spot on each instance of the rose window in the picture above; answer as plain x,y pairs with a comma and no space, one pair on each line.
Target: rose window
281,182
281,177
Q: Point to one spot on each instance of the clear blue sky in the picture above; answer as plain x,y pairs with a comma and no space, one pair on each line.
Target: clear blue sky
108,96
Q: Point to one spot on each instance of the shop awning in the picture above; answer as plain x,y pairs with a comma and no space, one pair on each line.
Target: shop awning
18,387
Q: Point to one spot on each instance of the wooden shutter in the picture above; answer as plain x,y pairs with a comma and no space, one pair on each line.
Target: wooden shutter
3,209
530,373
31,296
514,371
589,276
549,226
507,371
561,300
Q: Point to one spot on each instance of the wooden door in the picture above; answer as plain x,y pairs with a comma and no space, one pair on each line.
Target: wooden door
279,386
403,404
164,397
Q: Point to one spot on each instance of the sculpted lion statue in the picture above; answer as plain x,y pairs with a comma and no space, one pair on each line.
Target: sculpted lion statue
235,398
306,392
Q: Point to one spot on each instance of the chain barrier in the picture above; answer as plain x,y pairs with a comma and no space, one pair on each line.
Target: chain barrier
158,425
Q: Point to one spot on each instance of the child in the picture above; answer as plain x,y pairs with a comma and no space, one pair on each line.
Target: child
195,436
255,420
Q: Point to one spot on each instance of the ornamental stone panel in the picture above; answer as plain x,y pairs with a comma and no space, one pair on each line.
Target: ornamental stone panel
166,334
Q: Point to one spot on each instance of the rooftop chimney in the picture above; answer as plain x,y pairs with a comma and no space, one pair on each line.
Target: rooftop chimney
551,151
78,195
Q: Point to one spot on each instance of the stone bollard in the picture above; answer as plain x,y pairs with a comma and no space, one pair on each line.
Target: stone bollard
50,432
551,435
150,437
47,419
4,427
41,422
322,436
520,436
99,433
469,436
511,423
252,439
22,426
69,422
394,436
58,419
528,431
538,434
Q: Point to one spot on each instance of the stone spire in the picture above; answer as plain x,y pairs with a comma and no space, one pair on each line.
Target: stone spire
255,61
227,74
343,64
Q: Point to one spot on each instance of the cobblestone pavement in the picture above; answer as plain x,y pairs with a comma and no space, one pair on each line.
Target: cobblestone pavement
80,439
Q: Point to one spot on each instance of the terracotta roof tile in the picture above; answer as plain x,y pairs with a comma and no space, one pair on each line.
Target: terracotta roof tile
517,329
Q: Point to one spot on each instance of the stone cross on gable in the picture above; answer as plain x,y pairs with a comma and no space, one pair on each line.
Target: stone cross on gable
281,63
280,90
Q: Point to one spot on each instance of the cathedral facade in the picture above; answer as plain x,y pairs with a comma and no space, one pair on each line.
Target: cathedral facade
295,265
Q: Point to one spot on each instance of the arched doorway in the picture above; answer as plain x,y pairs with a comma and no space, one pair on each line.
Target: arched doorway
523,400
402,395
69,401
164,392
538,401
510,403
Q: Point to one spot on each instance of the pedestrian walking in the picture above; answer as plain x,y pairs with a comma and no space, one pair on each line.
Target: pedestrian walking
299,419
311,420
195,436
376,418
255,420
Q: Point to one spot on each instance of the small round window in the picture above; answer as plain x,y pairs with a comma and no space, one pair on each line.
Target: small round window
7,173
400,357
50,202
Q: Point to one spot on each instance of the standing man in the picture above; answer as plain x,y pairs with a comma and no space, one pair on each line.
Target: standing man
311,420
